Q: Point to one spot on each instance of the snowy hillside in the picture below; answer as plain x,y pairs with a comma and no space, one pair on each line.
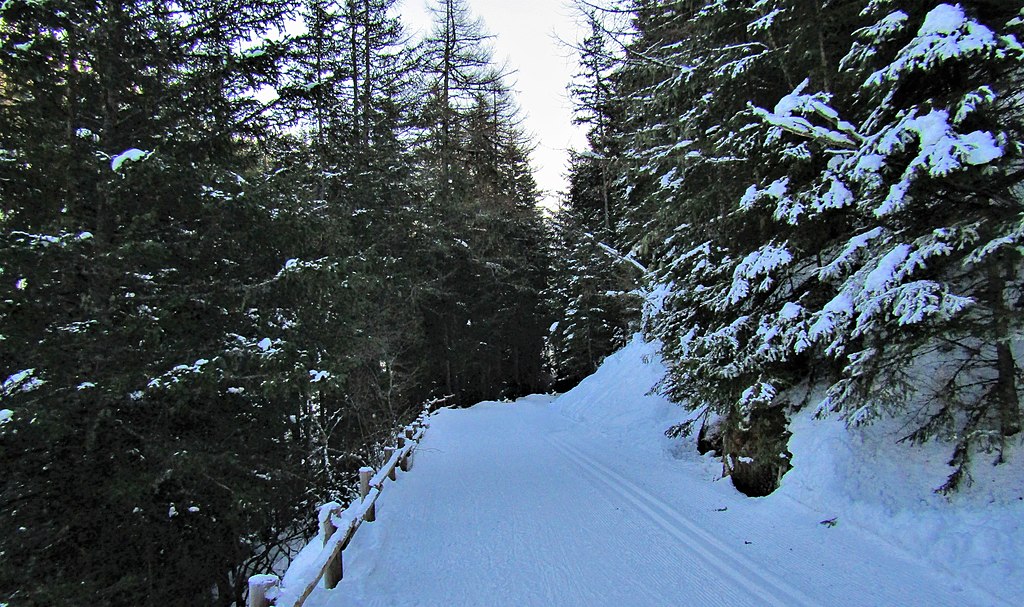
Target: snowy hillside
861,477
582,500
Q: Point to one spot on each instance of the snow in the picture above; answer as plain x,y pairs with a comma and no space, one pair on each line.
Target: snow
765,22
942,151
265,344
670,181
177,374
871,480
843,134
849,254
761,262
944,19
6,415
978,147
889,25
129,155
581,500
885,272
946,34
24,381
790,311
837,196
318,376
983,95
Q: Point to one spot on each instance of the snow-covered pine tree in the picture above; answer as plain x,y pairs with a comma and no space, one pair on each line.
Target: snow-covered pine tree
483,311
593,292
592,295
913,185
348,89
134,227
690,148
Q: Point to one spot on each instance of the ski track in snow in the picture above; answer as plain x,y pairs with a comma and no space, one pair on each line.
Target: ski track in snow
518,505
726,562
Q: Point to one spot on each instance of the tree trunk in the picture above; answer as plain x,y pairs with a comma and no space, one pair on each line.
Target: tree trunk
1005,390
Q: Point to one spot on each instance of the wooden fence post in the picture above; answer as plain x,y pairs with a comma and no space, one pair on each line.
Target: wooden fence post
335,571
406,463
401,445
388,452
259,586
266,589
364,489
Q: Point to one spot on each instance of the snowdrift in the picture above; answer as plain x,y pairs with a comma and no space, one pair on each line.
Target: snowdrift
862,476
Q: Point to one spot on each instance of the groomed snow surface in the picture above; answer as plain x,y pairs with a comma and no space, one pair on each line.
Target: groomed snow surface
582,500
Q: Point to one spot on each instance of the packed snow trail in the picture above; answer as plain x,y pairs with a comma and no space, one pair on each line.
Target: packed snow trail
519,505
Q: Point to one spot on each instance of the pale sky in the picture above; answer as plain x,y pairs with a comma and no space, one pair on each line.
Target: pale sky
527,36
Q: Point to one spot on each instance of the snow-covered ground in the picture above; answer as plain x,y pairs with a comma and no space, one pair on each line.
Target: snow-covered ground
581,500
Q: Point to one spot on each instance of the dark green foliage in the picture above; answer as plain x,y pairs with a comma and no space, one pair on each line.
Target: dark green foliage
593,292
829,191
483,312
216,308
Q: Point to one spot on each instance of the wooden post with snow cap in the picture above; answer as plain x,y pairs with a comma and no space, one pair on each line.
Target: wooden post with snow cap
388,452
406,460
259,590
334,571
364,489
403,460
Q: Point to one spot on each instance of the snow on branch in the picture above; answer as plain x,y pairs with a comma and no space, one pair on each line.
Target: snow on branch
941,151
761,262
947,34
789,115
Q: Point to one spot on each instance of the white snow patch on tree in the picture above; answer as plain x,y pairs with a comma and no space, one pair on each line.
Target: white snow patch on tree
129,155
759,263
946,34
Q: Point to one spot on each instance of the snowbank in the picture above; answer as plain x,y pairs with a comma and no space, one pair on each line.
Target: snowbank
862,477
619,402
868,478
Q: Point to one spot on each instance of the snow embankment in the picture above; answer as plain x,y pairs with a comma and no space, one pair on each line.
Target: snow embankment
867,477
863,477
620,400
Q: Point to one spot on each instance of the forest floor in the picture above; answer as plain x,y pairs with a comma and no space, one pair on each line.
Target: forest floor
534,503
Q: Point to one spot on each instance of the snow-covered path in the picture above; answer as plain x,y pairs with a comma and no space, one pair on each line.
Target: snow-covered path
520,505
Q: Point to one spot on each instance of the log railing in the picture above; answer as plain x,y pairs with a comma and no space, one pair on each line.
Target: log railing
338,525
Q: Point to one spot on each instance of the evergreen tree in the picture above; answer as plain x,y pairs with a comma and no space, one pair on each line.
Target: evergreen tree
490,260
130,244
915,293
593,292
859,235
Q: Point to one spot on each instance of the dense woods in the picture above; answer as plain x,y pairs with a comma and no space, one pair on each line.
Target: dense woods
828,196
242,241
